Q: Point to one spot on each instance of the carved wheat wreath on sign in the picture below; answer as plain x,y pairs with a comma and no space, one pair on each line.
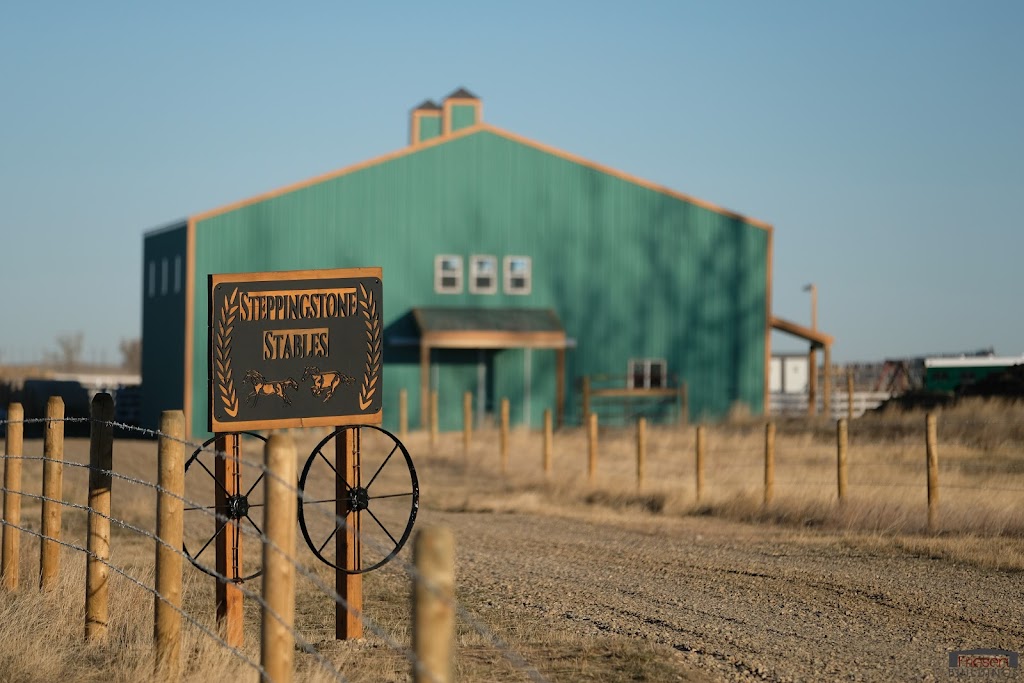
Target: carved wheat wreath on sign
371,374
222,353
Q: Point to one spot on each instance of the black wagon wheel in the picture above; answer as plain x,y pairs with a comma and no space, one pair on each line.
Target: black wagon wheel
382,498
204,519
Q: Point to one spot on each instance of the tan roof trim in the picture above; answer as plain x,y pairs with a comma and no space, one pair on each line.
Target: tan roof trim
331,175
625,176
470,130
814,336
493,339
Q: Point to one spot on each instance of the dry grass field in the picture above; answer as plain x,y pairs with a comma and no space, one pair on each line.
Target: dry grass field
981,526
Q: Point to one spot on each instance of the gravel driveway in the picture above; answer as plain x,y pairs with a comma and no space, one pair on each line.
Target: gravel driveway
739,602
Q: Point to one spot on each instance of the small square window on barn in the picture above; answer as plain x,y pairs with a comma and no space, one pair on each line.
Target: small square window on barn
177,274
448,274
518,275
647,373
483,274
152,279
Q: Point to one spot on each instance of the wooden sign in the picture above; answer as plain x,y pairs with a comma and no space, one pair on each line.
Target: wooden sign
295,349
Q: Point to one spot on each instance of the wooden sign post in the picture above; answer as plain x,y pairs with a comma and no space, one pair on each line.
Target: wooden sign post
292,349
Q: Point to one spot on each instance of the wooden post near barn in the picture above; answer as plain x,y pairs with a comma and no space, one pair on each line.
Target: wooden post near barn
504,435
592,448
467,421
586,399
769,462
699,464
10,560
932,456
826,380
842,442
641,451
812,382
97,574
169,532
403,413
277,643
433,420
53,493
548,439
849,393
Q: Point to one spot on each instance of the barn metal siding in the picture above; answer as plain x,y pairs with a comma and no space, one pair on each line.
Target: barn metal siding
631,271
463,116
163,328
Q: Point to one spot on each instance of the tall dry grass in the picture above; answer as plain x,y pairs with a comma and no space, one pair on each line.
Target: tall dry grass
42,634
981,460
981,476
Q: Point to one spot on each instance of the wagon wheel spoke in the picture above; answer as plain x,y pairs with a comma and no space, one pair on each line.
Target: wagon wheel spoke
384,528
215,535
329,537
254,485
374,477
392,495
254,524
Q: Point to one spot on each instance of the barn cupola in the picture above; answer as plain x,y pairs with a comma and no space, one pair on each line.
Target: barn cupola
462,109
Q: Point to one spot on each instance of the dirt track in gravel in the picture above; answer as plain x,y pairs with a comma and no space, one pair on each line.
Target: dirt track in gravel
736,602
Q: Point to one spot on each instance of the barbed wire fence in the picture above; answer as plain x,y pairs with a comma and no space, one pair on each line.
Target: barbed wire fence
431,593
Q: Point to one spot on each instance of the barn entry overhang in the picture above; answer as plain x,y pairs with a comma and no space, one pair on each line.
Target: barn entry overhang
817,340
490,328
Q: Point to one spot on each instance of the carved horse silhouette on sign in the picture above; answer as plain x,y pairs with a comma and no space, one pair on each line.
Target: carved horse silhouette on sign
263,387
325,383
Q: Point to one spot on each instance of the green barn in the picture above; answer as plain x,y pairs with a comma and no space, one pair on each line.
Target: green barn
511,269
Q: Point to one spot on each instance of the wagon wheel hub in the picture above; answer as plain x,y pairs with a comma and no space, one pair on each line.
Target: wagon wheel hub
357,499
237,506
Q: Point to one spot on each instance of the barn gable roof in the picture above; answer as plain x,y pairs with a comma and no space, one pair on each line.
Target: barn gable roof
474,130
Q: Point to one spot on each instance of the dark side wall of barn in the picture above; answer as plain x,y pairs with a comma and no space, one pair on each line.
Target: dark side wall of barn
163,323
631,271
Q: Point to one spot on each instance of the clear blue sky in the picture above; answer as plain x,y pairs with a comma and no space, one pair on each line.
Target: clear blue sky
883,140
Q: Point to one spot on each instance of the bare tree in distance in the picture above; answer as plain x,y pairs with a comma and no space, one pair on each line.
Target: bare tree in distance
69,351
131,354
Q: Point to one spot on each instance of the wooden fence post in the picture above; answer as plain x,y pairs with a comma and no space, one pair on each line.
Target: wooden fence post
548,439
403,413
592,447
504,435
700,461
586,400
434,420
467,421
769,462
842,441
641,451
932,454
433,633
277,644
849,393
97,573
169,527
10,560
53,493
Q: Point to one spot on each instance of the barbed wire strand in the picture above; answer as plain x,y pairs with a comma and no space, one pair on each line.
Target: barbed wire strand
303,644
192,620
410,570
